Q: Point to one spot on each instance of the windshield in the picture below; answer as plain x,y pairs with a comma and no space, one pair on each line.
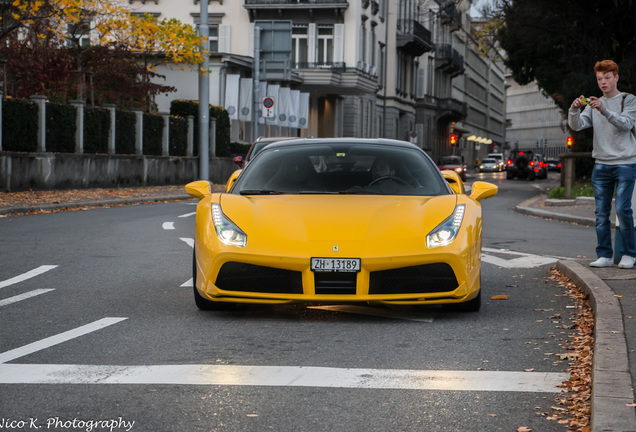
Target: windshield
489,161
348,168
450,160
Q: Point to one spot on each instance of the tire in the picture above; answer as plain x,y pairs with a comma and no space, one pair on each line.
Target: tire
472,305
509,175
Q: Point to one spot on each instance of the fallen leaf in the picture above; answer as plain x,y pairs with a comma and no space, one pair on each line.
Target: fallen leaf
631,404
500,297
524,429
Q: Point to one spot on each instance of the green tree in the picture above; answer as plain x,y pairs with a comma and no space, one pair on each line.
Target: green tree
557,44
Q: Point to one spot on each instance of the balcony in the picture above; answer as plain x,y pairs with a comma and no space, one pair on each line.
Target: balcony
452,109
325,66
413,37
295,4
449,15
448,60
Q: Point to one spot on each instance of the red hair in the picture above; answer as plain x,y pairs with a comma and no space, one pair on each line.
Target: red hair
606,66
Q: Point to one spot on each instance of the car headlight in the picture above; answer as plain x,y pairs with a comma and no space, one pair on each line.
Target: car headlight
445,233
226,230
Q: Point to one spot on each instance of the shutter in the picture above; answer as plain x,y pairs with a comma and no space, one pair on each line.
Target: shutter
338,43
312,43
224,38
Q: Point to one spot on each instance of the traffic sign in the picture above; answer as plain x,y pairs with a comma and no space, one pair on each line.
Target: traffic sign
268,107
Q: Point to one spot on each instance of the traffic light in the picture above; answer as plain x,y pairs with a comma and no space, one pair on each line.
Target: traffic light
453,139
570,141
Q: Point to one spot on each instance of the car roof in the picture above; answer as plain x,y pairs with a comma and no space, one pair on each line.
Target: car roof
373,141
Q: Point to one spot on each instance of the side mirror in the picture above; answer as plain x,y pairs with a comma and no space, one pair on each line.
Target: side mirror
482,190
231,180
238,160
455,181
199,189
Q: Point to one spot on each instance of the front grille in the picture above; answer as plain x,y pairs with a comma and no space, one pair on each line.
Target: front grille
335,282
426,278
236,276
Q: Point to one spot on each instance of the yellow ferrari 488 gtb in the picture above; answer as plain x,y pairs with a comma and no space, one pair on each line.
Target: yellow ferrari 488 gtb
339,221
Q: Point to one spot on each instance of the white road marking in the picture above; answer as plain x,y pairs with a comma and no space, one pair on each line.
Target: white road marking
189,283
168,225
284,376
28,275
188,241
373,311
188,215
24,296
525,260
57,339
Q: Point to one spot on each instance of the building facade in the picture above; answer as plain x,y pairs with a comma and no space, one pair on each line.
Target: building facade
360,68
535,121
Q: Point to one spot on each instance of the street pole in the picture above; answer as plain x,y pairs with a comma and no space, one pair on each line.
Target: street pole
256,84
204,96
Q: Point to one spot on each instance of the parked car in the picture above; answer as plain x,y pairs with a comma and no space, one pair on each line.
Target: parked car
554,165
256,147
306,221
489,165
453,163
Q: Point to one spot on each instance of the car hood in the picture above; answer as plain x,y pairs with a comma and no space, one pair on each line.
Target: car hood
358,224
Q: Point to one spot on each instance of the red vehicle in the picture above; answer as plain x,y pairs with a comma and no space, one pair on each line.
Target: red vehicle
453,163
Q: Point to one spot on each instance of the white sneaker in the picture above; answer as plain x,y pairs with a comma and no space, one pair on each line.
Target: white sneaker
627,262
604,262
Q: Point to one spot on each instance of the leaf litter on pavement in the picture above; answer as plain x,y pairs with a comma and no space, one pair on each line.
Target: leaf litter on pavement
572,408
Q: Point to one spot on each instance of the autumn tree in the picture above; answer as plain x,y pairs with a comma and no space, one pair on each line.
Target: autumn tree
89,32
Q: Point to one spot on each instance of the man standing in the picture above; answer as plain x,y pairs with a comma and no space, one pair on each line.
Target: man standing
613,116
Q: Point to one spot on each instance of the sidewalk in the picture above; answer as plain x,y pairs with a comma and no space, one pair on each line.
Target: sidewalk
611,290
613,300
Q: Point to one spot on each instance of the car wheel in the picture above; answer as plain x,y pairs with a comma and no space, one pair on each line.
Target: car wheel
470,306
509,175
203,303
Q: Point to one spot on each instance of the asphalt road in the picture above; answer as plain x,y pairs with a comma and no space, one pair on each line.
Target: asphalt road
100,331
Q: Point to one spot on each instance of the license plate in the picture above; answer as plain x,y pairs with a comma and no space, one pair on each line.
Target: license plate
348,265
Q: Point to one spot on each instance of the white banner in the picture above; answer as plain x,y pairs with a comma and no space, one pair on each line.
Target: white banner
245,105
262,92
292,109
303,111
232,95
283,104
272,90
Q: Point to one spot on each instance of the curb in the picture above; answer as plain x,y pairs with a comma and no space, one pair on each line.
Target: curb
101,203
611,379
527,208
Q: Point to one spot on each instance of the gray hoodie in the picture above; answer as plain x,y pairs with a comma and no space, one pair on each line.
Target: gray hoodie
614,131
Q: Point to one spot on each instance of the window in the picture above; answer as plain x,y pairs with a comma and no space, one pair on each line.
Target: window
214,38
299,46
325,44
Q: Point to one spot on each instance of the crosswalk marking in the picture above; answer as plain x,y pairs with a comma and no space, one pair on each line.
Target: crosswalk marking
24,296
284,376
28,275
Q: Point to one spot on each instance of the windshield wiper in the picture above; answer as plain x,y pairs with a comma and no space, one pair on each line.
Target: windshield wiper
259,192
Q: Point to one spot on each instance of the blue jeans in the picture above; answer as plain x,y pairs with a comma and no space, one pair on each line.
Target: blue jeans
606,179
